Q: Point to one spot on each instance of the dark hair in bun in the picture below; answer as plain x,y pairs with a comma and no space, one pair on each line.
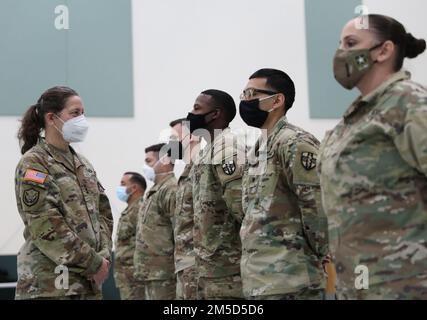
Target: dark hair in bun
414,47
387,28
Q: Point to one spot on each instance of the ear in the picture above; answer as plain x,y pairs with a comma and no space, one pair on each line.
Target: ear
215,115
133,187
279,101
49,118
386,51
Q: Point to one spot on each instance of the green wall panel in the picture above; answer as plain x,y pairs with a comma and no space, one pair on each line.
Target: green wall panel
94,56
324,21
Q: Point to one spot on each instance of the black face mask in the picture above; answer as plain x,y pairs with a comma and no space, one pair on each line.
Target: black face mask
175,150
198,121
251,114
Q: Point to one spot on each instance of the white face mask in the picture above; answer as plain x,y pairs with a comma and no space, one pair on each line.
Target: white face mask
75,129
149,172
122,193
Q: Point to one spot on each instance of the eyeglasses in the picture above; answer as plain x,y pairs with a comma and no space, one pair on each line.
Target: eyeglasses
249,93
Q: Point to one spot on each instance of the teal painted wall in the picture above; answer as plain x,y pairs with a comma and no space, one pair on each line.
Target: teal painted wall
94,56
324,21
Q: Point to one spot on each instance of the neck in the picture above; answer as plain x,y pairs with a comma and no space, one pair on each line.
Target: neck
161,177
271,121
134,197
214,132
372,81
57,142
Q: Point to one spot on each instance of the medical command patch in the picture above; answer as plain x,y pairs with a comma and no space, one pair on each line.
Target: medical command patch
229,168
308,160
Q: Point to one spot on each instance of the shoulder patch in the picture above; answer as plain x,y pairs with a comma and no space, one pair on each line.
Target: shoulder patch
35,176
30,197
308,160
229,168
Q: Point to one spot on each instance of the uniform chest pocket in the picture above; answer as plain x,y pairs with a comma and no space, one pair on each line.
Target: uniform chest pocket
69,189
187,201
88,181
126,230
148,208
196,174
268,173
180,202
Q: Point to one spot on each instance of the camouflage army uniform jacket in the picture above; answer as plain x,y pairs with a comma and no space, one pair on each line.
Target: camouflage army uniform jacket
154,247
68,222
125,244
373,171
184,222
284,231
216,179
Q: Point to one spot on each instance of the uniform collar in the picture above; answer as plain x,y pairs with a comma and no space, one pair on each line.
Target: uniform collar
362,101
58,157
135,203
157,186
283,121
186,171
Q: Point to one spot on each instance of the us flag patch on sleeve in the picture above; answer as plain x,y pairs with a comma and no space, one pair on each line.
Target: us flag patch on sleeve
35,176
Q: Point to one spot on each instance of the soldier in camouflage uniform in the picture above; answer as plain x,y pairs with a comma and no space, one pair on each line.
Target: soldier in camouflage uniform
131,191
154,248
186,284
284,232
373,170
216,179
183,233
67,216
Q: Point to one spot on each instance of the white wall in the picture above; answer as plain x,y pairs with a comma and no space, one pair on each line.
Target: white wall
181,48
411,13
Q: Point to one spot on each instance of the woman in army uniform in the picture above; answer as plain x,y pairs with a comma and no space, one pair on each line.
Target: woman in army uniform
67,216
373,166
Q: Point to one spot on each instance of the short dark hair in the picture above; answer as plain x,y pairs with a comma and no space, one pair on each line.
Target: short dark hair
387,28
177,121
155,147
280,82
224,101
137,178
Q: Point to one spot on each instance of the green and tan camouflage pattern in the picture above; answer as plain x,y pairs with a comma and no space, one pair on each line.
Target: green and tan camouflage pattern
154,247
129,287
183,235
68,222
216,179
284,231
373,171
184,222
186,284
160,289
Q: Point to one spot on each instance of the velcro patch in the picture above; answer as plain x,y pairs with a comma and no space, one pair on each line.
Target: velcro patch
35,176
229,168
308,160
30,197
